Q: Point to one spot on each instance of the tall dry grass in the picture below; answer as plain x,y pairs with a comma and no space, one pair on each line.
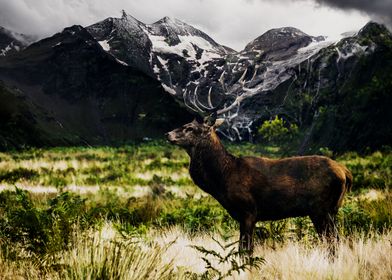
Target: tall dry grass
169,254
105,255
99,254
356,257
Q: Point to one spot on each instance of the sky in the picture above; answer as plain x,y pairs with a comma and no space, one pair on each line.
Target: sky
233,23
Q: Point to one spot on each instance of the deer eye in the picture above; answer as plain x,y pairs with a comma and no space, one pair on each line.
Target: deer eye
189,129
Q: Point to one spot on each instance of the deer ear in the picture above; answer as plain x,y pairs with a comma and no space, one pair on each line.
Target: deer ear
198,119
219,122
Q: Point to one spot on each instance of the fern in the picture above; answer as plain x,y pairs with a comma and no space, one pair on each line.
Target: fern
239,260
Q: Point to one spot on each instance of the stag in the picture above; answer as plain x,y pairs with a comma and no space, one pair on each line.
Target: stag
255,189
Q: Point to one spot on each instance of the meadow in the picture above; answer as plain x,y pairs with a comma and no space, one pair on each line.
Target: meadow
133,212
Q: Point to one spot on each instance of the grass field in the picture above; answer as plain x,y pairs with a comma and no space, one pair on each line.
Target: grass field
133,212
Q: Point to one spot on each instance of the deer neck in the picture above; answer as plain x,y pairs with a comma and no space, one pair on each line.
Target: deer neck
209,164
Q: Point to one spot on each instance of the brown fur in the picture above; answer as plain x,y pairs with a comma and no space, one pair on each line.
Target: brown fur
255,189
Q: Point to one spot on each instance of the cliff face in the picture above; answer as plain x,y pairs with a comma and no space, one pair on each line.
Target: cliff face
340,96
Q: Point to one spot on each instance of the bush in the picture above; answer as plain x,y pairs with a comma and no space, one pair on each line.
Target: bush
278,131
40,230
371,171
364,215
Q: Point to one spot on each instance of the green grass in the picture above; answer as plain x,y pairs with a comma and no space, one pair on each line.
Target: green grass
105,166
150,164
371,171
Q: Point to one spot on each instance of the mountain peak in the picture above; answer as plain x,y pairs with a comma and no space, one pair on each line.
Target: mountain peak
171,21
280,39
129,18
125,15
285,31
168,19
73,28
373,28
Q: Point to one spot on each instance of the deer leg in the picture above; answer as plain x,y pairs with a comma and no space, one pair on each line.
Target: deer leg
326,227
332,230
247,227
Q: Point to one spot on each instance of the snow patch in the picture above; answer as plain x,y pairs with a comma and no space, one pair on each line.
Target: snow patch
3,52
168,89
186,47
105,45
350,51
156,69
315,47
121,62
162,61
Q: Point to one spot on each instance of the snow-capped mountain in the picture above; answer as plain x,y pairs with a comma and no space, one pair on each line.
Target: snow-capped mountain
283,72
253,84
279,43
11,42
169,49
197,70
200,72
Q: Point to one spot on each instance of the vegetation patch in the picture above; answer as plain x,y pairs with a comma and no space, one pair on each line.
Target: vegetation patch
41,233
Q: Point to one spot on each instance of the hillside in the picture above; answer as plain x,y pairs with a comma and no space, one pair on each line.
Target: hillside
73,92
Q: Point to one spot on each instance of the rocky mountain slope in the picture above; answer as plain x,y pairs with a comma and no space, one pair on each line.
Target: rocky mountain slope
68,90
324,86
168,50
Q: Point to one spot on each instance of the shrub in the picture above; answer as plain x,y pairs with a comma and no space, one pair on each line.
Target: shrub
195,215
364,215
40,230
239,261
277,131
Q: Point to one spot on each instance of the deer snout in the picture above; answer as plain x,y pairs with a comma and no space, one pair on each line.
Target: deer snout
171,136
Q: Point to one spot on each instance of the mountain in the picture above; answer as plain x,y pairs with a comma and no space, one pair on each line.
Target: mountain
68,90
168,50
328,88
271,76
198,71
11,42
280,43
341,96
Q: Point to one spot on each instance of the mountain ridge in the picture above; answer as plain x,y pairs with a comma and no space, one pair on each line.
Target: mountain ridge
281,66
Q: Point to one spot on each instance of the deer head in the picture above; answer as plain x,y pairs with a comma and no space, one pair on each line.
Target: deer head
195,132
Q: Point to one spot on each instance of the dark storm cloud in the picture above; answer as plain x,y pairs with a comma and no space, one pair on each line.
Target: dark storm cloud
379,9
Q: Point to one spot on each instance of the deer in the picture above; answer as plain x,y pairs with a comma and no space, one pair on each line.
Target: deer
254,189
